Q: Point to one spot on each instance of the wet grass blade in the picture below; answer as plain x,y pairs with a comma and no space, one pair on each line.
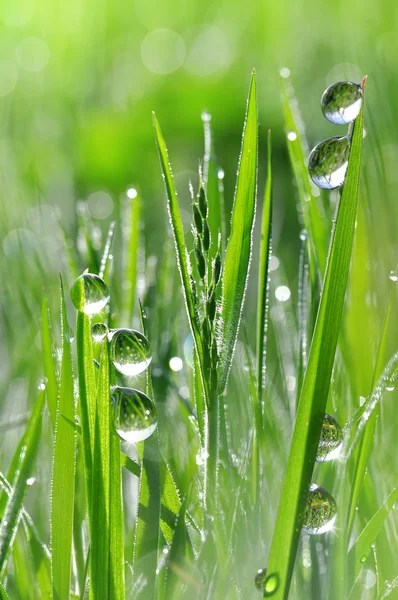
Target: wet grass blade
181,251
106,259
263,285
147,534
87,394
298,152
133,245
63,477
362,546
239,248
48,362
211,182
3,593
316,383
23,463
366,442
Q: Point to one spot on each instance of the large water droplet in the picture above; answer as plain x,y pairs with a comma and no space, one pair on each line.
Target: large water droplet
135,415
320,511
328,161
341,102
131,352
89,293
331,440
99,331
260,578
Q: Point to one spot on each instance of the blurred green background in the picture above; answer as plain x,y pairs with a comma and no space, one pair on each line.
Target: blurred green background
78,82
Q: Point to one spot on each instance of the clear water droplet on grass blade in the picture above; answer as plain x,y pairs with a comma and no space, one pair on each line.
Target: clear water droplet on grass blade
331,440
99,331
341,102
89,293
271,585
320,511
393,276
135,414
328,162
260,578
131,352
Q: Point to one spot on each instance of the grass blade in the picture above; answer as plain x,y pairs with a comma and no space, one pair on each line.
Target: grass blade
63,478
147,534
183,261
316,384
48,363
363,544
211,182
298,152
239,248
24,462
263,286
100,510
133,245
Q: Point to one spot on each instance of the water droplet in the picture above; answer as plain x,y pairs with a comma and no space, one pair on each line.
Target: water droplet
320,511
341,102
42,384
70,336
135,415
328,161
390,387
363,558
89,293
393,276
303,235
291,136
175,363
260,578
331,440
282,293
271,584
130,351
99,331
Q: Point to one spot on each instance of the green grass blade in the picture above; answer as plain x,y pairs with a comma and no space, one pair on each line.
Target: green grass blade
129,464
239,248
211,182
367,437
116,519
100,510
63,478
363,544
3,593
26,457
106,259
48,362
298,152
263,286
316,384
87,393
183,261
147,534
132,249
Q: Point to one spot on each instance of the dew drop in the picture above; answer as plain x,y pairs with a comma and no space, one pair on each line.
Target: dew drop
328,161
70,336
89,293
131,352
291,136
271,584
363,558
260,578
341,102
331,440
320,511
393,276
99,331
135,415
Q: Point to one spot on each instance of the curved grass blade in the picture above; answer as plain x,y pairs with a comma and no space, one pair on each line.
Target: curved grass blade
316,384
24,462
239,248
363,544
63,476
183,261
367,437
263,286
